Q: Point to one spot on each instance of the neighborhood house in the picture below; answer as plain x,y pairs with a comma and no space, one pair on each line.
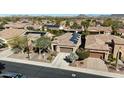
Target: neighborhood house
68,42
100,46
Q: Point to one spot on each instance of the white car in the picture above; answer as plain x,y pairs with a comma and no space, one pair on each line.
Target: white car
11,75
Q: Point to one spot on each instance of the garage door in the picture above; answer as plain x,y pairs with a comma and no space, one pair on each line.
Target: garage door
97,55
66,50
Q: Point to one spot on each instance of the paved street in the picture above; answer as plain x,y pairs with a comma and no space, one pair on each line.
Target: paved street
32,71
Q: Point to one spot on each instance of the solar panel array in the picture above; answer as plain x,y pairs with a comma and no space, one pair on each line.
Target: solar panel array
75,37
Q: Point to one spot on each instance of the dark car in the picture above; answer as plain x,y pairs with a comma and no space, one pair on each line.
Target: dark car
2,66
11,75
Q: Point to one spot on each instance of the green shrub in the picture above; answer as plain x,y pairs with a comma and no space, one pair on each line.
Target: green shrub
50,57
82,54
53,53
111,58
72,57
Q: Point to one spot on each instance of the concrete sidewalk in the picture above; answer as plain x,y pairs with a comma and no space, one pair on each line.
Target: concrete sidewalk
83,70
59,60
6,53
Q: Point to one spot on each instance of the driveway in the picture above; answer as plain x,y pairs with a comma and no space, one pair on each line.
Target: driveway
95,63
59,60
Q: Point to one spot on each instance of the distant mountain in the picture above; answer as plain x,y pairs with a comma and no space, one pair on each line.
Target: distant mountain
82,15
117,15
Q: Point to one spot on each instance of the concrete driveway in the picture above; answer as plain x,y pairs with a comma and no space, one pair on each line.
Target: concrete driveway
95,63
59,60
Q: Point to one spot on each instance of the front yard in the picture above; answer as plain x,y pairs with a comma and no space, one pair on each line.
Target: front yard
46,57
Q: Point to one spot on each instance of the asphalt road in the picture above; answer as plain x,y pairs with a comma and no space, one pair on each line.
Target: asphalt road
32,71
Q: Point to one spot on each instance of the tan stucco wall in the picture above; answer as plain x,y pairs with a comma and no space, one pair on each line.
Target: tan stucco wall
117,48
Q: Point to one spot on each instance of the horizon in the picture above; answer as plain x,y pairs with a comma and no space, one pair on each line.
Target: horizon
4,15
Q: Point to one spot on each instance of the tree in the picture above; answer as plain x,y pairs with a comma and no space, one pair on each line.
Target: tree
115,27
85,25
72,57
75,26
82,54
18,44
67,23
107,22
42,43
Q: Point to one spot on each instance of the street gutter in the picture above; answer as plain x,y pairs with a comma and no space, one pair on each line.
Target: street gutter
69,68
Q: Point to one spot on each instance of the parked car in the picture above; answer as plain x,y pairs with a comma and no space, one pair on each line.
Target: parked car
2,45
2,66
11,75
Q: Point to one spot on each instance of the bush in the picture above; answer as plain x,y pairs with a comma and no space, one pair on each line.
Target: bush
53,53
56,32
30,28
111,58
50,58
72,57
82,54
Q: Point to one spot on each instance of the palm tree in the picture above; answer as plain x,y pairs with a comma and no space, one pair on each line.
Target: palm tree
117,59
85,25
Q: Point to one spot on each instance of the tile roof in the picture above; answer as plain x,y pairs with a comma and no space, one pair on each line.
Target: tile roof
64,40
10,33
97,42
121,30
99,28
16,25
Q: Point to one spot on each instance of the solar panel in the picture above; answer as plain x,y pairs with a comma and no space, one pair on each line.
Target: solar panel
75,37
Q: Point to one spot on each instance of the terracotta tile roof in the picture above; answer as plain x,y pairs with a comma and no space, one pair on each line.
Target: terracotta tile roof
64,40
10,33
121,30
97,42
35,26
16,25
99,28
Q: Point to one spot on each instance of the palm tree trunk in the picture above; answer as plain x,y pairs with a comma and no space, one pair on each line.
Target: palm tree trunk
116,64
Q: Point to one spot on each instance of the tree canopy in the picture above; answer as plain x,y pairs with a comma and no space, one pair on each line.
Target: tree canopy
18,43
43,43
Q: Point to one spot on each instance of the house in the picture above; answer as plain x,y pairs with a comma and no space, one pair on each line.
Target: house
121,32
72,30
35,26
99,30
17,25
68,42
7,34
53,27
100,46
33,35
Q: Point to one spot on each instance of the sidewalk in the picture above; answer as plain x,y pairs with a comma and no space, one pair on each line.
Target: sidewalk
82,70
6,53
